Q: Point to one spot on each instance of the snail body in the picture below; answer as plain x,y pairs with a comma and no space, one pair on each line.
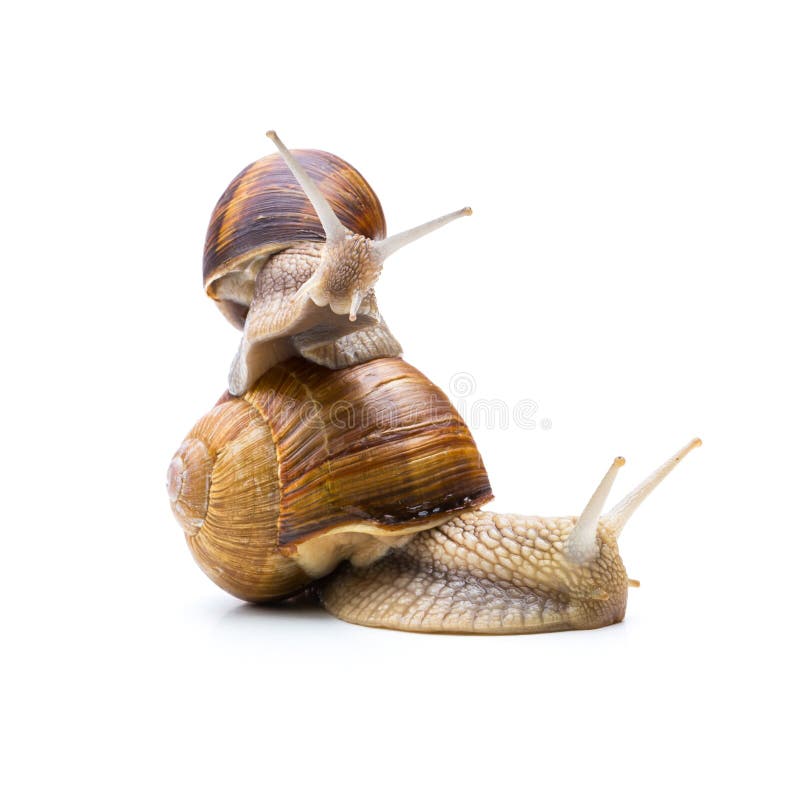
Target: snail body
482,572
293,250
365,485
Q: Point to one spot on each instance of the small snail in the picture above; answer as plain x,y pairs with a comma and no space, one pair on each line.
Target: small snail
365,485
293,251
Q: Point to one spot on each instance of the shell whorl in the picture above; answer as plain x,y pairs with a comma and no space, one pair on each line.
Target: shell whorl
265,210
188,482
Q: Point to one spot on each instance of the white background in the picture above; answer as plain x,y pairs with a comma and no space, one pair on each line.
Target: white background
631,266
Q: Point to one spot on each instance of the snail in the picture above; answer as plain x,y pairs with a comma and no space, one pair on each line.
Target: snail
364,486
292,253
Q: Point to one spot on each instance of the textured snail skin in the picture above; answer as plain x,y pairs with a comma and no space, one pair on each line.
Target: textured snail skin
282,323
485,573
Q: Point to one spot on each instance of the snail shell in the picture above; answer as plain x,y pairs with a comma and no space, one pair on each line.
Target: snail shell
313,466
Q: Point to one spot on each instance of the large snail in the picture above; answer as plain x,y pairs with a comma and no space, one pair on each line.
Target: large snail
365,484
334,467
294,248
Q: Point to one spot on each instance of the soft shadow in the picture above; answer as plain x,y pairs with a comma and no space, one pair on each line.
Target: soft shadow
304,606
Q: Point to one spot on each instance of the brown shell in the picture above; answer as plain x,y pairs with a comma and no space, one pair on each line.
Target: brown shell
264,210
223,486
308,452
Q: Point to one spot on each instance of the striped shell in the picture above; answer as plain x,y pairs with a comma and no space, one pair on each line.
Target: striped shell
314,465
264,210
